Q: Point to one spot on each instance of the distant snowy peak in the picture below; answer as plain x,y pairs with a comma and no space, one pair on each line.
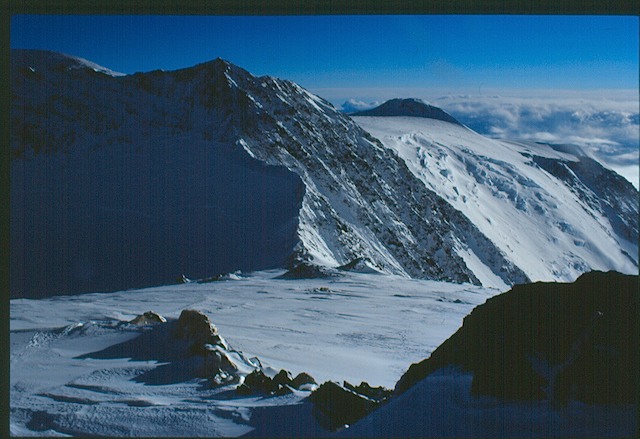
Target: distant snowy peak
40,61
409,108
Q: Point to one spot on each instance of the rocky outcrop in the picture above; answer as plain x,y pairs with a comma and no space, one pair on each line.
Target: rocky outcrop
197,330
281,384
378,394
549,341
306,270
190,346
337,406
148,318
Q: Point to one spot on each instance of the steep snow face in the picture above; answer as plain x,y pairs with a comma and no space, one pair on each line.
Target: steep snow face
185,156
553,211
361,200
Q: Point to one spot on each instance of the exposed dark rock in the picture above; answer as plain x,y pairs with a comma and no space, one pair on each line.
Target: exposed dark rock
378,394
220,277
303,380
258,382
549,341
281,384
362,265
336,406
198,330
244,390
283,390
283,378
148,318
306,270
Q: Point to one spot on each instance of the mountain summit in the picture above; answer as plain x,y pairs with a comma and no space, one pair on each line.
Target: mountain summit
408,107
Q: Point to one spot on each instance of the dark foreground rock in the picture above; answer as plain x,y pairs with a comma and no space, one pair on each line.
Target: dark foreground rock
378,394
336,406
549,341
281,384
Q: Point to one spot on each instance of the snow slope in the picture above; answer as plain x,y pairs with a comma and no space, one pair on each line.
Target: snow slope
544,206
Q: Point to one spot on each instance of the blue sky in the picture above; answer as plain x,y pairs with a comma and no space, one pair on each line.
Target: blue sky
322,52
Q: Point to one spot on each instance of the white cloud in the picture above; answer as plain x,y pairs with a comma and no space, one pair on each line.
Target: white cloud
606,128
352,105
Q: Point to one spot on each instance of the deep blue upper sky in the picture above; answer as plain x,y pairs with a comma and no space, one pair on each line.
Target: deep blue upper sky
515,52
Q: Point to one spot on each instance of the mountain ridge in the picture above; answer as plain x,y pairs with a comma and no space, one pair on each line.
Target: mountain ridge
556,212
346,195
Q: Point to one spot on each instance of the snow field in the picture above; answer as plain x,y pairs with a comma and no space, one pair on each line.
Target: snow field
355,327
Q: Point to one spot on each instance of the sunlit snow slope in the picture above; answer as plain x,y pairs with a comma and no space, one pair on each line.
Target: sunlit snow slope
553,211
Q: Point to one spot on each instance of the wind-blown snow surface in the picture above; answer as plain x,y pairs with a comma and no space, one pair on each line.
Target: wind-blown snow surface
353,327
544,206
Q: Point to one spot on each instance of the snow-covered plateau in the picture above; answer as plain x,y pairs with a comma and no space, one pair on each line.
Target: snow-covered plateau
79,367
353,327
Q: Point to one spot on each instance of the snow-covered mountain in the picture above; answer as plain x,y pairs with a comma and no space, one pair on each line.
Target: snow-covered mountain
123,181
555,212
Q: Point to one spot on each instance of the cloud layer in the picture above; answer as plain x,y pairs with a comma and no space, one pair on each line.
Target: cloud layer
353,105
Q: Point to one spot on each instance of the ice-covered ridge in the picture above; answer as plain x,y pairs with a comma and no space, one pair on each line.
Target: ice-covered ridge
541,204
40,61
